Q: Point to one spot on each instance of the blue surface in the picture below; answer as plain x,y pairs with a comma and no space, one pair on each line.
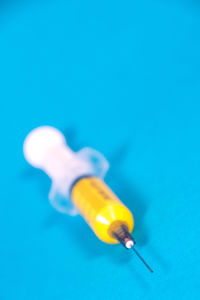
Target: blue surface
122,77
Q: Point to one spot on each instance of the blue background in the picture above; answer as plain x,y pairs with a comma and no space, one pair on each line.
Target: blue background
122,77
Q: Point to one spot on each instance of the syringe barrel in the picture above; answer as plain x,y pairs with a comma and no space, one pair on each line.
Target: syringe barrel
101,208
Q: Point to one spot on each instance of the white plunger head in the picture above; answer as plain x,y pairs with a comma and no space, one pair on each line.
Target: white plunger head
39,142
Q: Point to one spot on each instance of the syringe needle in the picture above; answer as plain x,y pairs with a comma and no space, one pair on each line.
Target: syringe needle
142,259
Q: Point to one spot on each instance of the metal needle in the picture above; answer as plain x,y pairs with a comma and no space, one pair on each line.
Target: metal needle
140,257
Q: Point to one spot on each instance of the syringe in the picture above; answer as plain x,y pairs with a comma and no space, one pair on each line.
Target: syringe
79,177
